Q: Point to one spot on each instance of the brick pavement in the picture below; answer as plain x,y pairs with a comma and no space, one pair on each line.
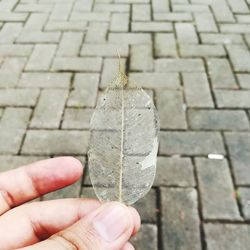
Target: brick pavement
193,56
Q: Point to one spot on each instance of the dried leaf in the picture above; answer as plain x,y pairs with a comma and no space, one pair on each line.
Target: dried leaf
124,143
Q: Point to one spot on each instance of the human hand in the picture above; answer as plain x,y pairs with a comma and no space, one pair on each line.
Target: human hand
65,224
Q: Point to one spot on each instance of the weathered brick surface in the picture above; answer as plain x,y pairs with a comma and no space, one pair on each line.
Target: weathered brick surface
191,56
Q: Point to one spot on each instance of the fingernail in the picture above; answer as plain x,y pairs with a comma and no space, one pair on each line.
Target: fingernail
111,222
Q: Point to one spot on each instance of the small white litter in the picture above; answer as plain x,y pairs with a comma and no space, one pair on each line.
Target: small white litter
215,156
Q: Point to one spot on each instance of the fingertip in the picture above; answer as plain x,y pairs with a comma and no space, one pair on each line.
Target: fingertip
128,246
136,219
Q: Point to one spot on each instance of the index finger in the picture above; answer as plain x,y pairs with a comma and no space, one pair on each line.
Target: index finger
31,181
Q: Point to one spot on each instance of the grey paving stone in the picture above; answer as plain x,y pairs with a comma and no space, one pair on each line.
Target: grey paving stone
52,142
146,207
160,6
45,80
18,97
49,109
70,44
219,38
237,28
108,50
34,7
77,118
190,8
10,32
73,26
244,80
196,89
119,22
222,16
179,65
201,50
243,18
88,192
129,38
221,73
97,32
141,57
85,89
191,143
41,57
38,37
239,148
180,221
171,109
110,70
86,64
174,171
165,45
233,98
219,236
141,12
151,26
72,191
61,11
186,33
240,57
156,80
218,119
89,16
216,190
146,239
205,22
239,6
174,16
12,17
110,7
244,196
35,22
15,49
9,162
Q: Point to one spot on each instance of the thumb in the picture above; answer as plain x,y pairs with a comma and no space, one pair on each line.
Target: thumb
107,228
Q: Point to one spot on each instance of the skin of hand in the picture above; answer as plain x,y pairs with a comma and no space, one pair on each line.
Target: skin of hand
66,224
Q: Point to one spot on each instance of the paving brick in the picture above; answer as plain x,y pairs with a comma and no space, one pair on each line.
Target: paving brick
34,7
190,8
89,16
131,1
235,28
11,70
244,80
216,190
146,239
196,89
18,97
41,57
12,17
119,22
70,44
110,70
10,32
186,33
180,221
104,50
83,5
109,7
129,38
77,118
240,57
12,129
201,50
151,26
160,6
171,109
191,143
233,98
45,117
156,80
89,64
218,119
147,207
72,191
222,16
66,26
179,65
238,6
15,50
38,37
9,162
141,12
45,80
88,192
174,171
35,22
221,73
141,57
172,16
96,32
243,18
61,11
239,148
219,38
219,236
165,45
84,93
205,22
52,142
244,196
